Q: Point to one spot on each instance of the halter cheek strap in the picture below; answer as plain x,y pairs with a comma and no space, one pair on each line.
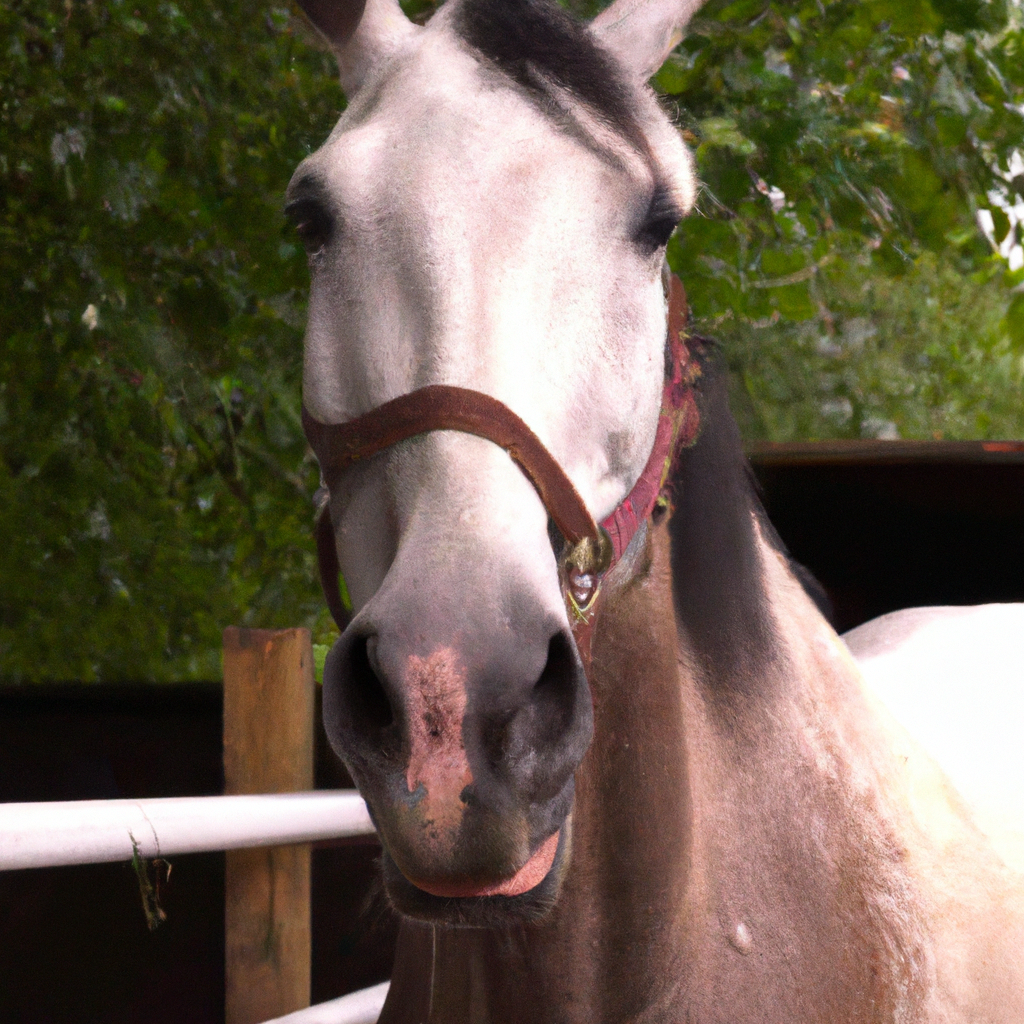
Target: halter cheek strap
678,426
591,550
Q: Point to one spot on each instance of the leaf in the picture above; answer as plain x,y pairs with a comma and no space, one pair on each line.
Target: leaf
674,75
1000,223
794,302
723,132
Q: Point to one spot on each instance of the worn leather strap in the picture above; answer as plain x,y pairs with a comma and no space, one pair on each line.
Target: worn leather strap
677,428
330,570
445,407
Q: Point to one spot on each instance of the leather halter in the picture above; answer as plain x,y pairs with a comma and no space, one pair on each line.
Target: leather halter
591,550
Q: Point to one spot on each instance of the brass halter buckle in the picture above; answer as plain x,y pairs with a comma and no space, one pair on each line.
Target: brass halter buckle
582,568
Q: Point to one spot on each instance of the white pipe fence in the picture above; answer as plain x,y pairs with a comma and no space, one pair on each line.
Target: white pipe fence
54,834
62,833
258,665
362,1007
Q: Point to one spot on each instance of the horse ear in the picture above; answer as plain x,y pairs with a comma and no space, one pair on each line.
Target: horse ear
361,32
642,33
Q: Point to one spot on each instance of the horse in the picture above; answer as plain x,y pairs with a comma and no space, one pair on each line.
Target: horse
621,766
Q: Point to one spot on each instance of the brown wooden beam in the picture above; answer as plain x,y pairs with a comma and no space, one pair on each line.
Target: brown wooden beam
881,452
268,748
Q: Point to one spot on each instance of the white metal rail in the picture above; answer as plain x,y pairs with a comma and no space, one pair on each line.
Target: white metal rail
61,833
362,1007
52,834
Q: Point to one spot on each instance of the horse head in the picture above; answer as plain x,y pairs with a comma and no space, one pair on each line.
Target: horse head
490,213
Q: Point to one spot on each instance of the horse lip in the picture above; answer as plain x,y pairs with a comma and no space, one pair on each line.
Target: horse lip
481,911
528,877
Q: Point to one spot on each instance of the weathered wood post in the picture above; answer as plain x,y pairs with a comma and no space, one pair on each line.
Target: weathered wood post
268,748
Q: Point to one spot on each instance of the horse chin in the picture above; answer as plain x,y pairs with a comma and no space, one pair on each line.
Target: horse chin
486,911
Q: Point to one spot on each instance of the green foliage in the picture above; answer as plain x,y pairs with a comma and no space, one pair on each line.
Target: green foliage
845,149
154,482
923,354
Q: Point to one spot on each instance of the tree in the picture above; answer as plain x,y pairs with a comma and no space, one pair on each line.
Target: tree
154,481
846,149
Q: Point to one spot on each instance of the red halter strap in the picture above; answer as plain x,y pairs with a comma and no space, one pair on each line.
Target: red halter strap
591,550
444,407
678,426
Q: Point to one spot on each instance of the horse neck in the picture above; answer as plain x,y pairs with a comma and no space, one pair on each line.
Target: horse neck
797,865
721,846
625,887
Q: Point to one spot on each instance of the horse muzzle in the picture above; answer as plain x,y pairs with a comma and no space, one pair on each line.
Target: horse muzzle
462,729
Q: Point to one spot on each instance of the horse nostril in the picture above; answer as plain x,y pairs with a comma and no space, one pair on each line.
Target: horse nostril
368,700
516,736
554,694
535,746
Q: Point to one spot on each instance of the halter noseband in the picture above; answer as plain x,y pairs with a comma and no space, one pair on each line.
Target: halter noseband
591,549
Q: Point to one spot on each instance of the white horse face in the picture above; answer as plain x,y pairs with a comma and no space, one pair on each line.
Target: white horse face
483,215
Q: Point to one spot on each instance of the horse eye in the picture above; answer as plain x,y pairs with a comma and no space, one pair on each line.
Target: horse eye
659,221
312,222
655,233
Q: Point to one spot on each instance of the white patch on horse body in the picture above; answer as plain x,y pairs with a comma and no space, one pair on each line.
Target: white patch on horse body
741,939
954,679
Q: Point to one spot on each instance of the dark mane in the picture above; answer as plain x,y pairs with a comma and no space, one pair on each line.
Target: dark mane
714,546
536,42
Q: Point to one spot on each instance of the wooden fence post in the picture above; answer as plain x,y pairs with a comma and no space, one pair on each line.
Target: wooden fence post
268,748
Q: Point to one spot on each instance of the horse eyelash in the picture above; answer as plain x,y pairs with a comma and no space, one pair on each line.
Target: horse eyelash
659,221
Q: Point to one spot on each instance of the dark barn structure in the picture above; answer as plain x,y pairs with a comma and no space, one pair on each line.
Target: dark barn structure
885,525
881,525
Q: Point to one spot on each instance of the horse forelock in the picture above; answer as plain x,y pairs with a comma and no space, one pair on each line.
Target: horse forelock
558,60
536,42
